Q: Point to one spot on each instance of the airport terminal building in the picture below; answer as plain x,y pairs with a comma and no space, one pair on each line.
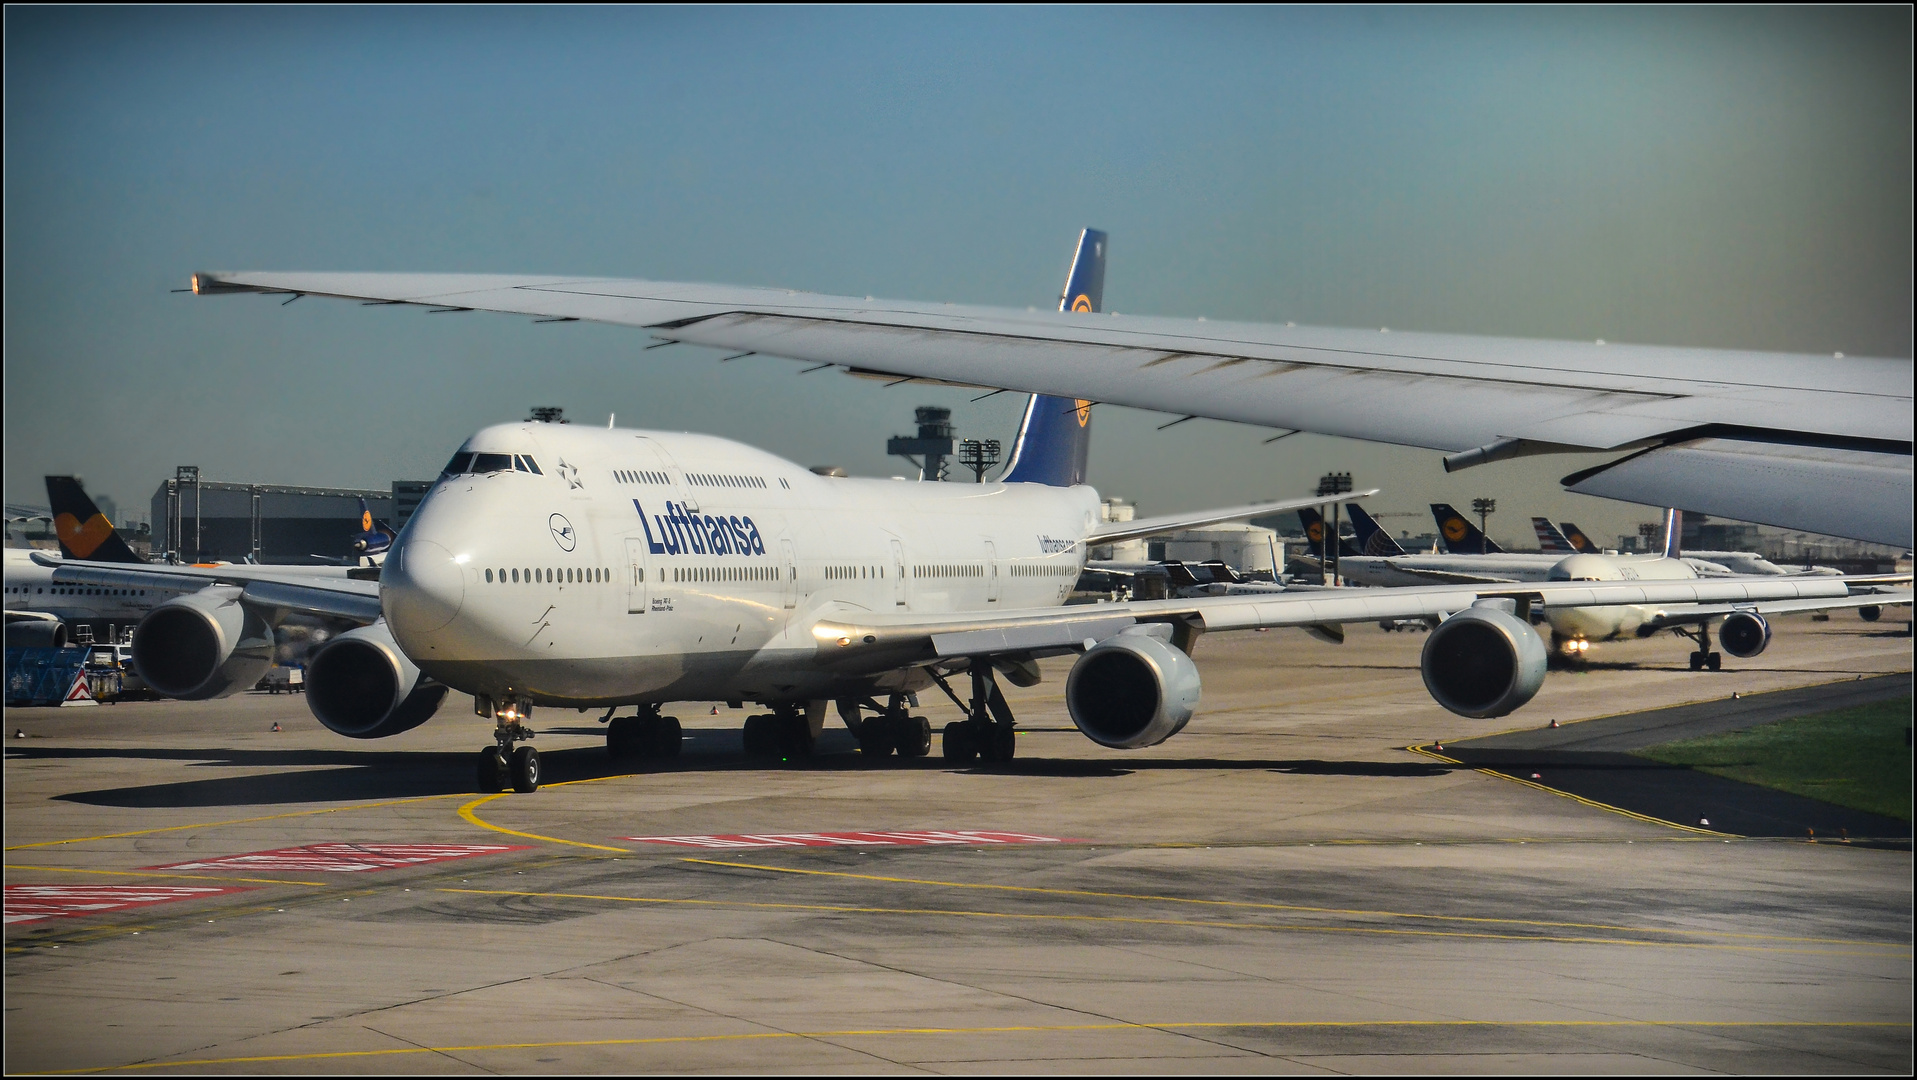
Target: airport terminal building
207,520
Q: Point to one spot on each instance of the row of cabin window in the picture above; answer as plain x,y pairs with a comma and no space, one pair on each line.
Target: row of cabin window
853,573
725,480
563,575
938,570
463,462
56,590
722,573
1045,570
639,476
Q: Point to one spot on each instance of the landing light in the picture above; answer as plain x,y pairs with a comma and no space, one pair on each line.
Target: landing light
462,559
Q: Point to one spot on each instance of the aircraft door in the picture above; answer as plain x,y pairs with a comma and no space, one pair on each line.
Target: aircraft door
991,572
638,591
898,573
790,572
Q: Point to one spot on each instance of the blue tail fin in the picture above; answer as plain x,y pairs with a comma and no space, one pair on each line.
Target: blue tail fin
1372,539
1459,536
1054,439
84,531
1577,538
374,536
1673,534
1314,524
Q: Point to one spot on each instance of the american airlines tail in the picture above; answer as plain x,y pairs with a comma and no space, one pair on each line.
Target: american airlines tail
1054,439
84,531
1459,536
1550,540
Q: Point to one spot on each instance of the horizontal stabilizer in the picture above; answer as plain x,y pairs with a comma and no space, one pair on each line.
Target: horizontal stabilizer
1113,532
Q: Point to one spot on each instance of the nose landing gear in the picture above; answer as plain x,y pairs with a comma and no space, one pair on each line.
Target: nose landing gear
501,764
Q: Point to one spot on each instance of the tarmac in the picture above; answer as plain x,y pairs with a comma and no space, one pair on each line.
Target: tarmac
1284,887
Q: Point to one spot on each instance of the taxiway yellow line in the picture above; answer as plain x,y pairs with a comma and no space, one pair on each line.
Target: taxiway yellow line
1132,920
1256,905
1021,1029
149,873
1423,748
233,821
468,812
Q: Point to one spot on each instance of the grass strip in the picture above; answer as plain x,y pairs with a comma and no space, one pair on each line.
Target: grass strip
1857,758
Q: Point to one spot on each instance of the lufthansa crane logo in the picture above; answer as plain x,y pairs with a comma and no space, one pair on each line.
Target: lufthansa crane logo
1454,529
1084,411
1316,532
365,521
1083,303
562,533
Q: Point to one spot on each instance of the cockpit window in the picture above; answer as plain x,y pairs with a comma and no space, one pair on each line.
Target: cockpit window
458,464
490,463
519,464
532,465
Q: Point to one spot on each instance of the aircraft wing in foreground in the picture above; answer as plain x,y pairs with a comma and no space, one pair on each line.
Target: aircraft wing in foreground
1813,442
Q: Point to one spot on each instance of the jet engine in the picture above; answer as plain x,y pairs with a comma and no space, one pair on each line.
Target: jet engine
362,686
203,645
1744,634
1132,689
37,634
1483,662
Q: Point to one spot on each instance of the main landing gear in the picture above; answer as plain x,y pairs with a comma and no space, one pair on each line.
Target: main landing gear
647,735
987,733
1703,659
501,764
787,733
892,729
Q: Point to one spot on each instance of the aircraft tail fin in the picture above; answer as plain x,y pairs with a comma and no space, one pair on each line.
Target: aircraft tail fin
1576,538
1459,536
1314,525
1054,439
1372,539
1673,533
1550,540
84,532
374,536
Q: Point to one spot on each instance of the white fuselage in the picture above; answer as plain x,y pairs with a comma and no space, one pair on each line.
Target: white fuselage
30,587
1604,623
651,566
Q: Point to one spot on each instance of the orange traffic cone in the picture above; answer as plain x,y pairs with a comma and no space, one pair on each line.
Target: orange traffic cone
276,725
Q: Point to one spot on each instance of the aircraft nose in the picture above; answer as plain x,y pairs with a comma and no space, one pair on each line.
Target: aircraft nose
421,589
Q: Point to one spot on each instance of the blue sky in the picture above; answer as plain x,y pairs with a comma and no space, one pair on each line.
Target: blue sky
1697,177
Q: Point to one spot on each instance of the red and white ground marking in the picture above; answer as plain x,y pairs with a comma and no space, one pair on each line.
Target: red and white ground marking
29,903
343,858
850,839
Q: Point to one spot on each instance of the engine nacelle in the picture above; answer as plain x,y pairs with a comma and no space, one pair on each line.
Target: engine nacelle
1132,689
1744,634
362,686
203,645
37,634
1483,662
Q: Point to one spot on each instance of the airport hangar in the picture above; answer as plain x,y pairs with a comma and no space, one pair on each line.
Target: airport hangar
197,520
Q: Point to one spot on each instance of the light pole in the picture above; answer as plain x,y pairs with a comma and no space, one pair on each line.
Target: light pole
1484,508
1332,484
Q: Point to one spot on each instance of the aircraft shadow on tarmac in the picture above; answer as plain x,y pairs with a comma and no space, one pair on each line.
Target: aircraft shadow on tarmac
387,774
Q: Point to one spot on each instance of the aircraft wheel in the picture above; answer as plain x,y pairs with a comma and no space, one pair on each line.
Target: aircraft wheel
913,736
1003,739
1714,661
622,738
525,769
758,736
875,737
958,743
1697,661
667,737
794,738
492,770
